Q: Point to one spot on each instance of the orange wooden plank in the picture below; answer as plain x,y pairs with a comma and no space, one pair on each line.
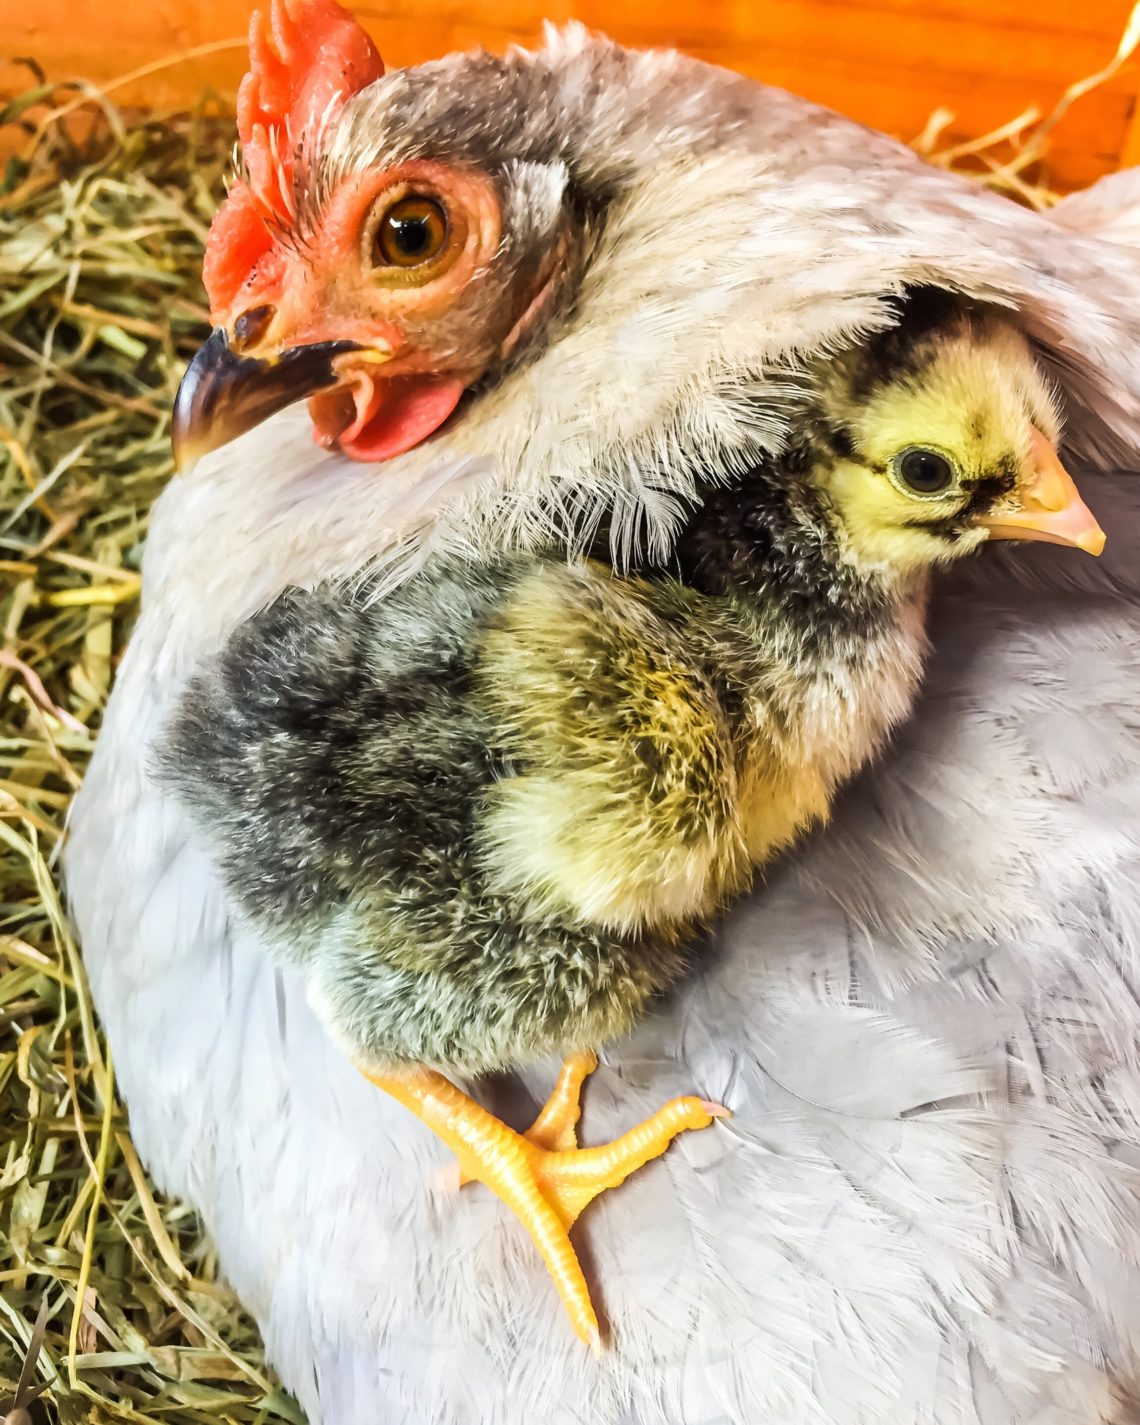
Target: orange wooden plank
932,44
1060,17
1130,151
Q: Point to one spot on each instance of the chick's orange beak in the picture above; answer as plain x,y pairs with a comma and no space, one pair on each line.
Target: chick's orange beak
1048,506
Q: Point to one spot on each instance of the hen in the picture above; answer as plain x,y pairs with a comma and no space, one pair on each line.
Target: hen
707,228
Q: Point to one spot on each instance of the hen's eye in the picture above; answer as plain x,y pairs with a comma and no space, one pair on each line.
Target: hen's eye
924,471
411,232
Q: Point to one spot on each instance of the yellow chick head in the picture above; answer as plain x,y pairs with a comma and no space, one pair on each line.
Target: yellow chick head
941,434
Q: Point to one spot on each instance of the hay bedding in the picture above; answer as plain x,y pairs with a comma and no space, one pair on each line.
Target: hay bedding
101,230
109,1292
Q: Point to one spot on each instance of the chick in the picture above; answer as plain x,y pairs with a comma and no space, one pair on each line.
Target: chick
485,814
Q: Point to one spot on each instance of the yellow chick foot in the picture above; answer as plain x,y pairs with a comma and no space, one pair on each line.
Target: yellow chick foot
542,1175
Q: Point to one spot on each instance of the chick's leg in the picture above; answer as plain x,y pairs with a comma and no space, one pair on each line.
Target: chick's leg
545,1187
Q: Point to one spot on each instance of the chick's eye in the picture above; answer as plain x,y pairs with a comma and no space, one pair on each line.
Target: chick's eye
925,471
411,232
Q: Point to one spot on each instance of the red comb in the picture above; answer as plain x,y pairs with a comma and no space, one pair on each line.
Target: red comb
304,57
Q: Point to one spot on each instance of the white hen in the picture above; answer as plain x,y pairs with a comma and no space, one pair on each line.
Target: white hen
925,1207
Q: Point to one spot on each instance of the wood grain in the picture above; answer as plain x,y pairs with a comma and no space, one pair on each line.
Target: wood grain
888,63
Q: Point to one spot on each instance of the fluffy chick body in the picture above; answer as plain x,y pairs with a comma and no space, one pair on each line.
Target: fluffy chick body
486,812
341,756
490,845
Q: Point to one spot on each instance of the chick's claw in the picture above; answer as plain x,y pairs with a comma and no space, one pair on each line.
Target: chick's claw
541,1175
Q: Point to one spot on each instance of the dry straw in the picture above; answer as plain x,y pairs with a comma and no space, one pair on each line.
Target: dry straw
109,1300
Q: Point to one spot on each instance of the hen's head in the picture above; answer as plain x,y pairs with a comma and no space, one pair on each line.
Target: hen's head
391,240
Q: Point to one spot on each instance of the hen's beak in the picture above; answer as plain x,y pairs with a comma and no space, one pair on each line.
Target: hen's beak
224,394
1049,506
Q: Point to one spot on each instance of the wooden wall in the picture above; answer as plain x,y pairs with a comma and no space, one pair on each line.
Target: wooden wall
889,63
